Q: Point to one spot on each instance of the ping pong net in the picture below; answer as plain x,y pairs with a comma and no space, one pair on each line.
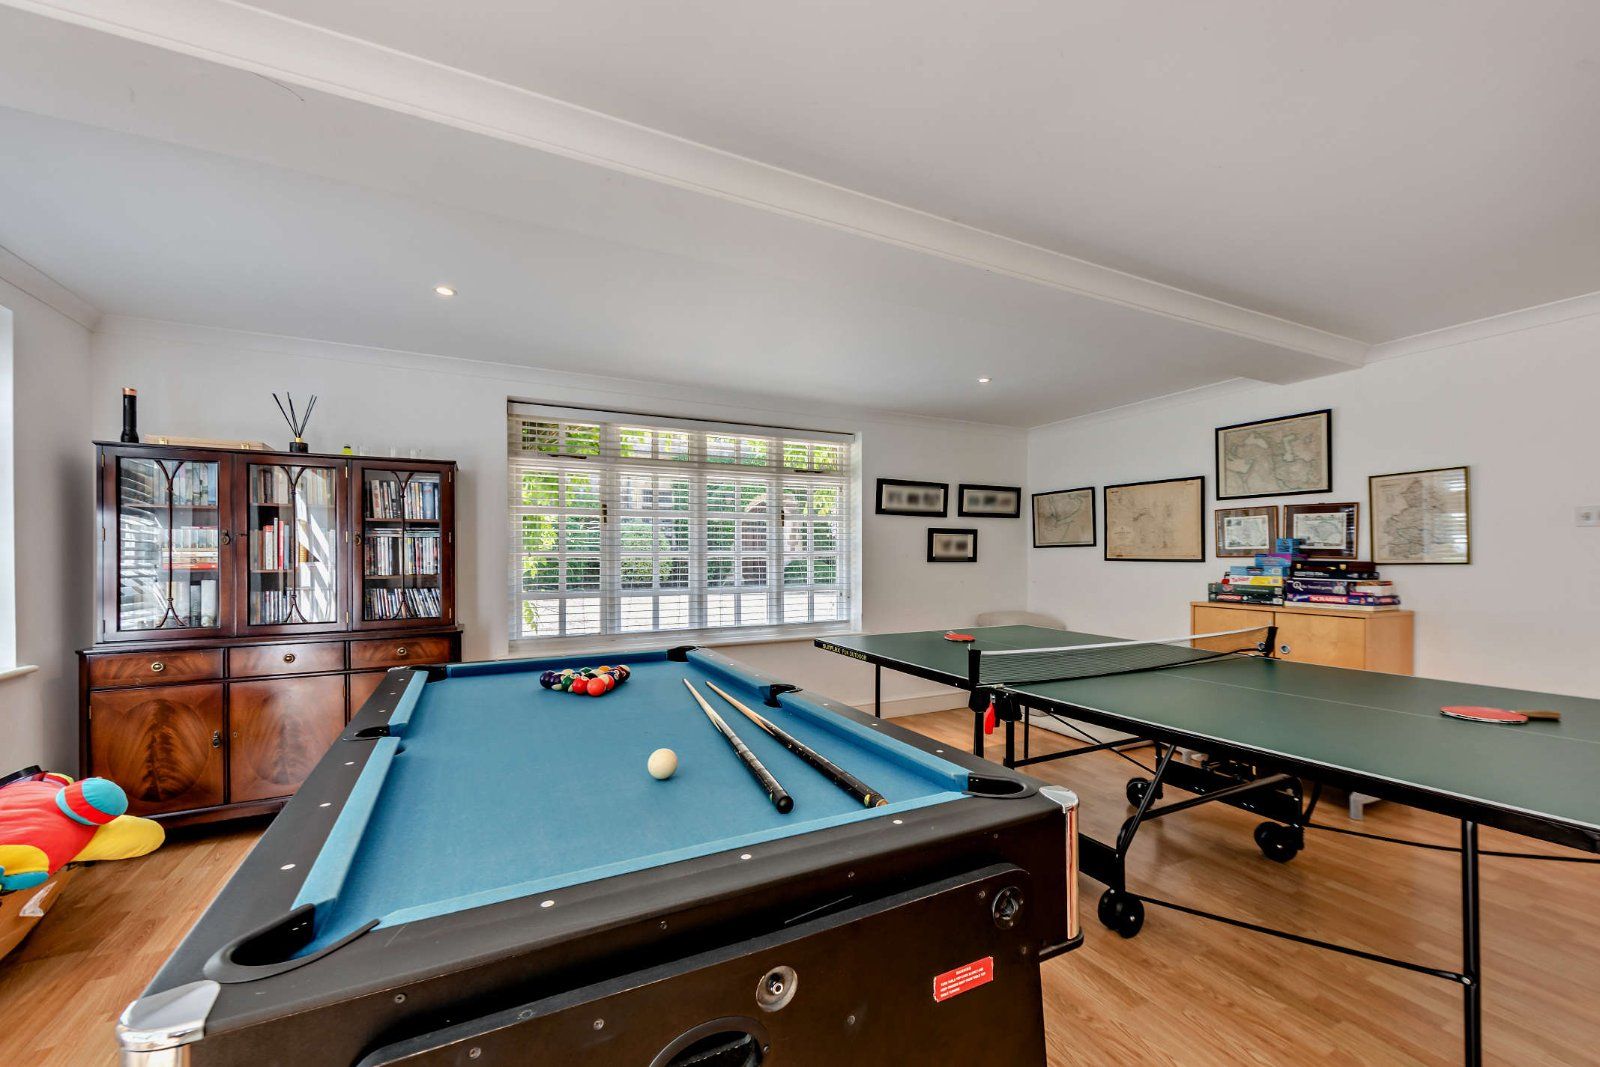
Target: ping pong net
1021,666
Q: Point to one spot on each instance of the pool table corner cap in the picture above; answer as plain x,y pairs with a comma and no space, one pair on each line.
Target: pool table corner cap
163,1022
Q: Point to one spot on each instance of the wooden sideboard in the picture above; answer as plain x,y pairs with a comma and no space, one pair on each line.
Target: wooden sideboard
202,732
1364,640
249,603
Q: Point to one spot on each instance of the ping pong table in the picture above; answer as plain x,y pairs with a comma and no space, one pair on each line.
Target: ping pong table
1273,734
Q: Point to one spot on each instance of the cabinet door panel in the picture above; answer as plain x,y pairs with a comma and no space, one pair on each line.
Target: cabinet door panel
1218,619
1324,639
163,745
363,686
278,731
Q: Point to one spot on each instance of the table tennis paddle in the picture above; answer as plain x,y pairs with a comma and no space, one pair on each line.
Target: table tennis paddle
1502,716
953,636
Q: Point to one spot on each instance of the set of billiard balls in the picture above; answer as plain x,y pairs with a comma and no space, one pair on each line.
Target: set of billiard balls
587,681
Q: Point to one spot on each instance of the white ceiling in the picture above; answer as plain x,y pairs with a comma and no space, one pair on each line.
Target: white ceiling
204,162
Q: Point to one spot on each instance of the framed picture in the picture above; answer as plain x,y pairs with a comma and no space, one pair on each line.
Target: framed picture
1276,457
1064,518
989,501
897,496
1328,531
1245,531
952,546
1161,521
1419,516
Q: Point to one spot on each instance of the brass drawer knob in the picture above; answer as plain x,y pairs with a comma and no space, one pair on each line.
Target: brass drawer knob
157,667
288,657
400,651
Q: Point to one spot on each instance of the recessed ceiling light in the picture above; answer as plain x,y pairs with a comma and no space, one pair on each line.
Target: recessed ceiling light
444,290
983,381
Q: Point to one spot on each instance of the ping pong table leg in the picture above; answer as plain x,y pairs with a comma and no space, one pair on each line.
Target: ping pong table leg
1011,743
977,733
1471,988
877,690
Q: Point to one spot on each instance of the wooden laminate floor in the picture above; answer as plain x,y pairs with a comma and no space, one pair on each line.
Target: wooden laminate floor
1185,991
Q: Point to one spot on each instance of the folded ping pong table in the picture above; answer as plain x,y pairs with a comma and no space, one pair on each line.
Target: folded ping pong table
1273,733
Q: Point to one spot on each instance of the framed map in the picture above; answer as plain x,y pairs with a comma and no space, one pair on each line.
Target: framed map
1326,531
1276,457
1161,521
1064,518
1245,531
1420,516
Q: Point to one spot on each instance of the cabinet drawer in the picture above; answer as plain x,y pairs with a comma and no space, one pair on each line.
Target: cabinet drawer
253,661
150,668
398,652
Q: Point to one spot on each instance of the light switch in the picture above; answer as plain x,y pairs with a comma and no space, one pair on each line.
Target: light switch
1589,514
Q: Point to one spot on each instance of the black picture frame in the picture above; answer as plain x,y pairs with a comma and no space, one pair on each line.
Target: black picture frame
926,513
1326,485
1200,521
1349,511
933,532
1094,518
962,511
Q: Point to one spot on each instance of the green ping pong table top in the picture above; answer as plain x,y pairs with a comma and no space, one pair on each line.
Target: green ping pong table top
1379,733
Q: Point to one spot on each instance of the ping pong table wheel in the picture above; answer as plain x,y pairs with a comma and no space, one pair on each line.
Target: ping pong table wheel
1279,843
1121,911
1137,788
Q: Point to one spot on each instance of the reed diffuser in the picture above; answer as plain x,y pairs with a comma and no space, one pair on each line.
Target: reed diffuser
297,420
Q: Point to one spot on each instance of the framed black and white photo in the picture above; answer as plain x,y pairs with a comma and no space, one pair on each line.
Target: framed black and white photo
1326,531
1064,518
1285,456
896,496
1162,521
989,501
952,546
1420,516
1245,531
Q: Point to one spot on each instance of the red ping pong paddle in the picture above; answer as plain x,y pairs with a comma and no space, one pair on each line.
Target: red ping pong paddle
1501,716
989,717
953,636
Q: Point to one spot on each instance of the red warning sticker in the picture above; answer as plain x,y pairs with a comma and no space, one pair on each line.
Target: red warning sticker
956,982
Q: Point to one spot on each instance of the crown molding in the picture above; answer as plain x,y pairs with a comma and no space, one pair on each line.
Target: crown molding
1531,318
549,384
289,51
45,289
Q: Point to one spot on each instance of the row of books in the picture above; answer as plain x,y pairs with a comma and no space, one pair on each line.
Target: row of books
189,485
387,554
272,607
403,604
418,499
270,485
1288,576
270,548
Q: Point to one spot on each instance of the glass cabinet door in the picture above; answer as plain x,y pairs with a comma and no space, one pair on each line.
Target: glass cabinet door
169,544
401,557
292,554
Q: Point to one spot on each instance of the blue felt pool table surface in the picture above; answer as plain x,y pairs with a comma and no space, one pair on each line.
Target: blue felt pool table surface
491,787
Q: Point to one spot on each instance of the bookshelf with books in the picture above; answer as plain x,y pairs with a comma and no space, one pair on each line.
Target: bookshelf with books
236,590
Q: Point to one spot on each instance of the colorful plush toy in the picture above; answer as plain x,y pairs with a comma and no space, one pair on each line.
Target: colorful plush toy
48,821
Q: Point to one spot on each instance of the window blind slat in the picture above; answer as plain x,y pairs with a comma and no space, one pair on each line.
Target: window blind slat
624,525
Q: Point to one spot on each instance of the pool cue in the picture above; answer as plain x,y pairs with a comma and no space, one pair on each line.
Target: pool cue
869,797
780,797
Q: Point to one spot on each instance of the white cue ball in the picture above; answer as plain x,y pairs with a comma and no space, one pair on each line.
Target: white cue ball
663,764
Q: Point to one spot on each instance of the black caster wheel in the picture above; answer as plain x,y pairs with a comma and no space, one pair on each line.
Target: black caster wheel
1279,843
1121,911
1136,789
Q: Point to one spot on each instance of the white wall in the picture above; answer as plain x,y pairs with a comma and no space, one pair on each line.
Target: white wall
53,491
1518,408
216,383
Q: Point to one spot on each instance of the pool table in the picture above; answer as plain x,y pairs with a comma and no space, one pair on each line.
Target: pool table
481,871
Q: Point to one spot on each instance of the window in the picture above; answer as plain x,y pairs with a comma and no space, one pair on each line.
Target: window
625,525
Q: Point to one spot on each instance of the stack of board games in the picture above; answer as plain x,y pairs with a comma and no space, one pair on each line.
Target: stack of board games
1340,583
1264,580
